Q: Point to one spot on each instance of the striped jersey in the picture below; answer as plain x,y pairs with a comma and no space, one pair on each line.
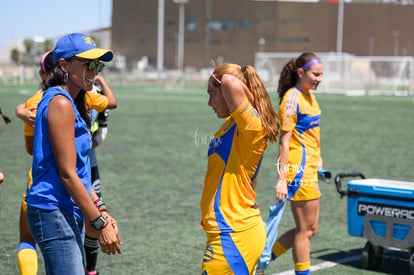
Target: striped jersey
234,157
300,114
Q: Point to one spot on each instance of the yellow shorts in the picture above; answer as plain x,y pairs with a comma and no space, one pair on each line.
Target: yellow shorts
308,190
234,253
29,184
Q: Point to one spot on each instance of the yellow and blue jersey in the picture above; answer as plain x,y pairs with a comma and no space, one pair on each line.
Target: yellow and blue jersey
93,100
300,114
97,101
234,158
31,103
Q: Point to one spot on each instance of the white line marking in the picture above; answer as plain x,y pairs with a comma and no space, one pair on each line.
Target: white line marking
325,265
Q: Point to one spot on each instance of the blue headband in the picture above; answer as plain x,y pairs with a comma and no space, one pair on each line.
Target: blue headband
311,63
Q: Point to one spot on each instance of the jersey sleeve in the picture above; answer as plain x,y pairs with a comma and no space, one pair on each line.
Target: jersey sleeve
288,112
249,124
28,130
97,101
32,102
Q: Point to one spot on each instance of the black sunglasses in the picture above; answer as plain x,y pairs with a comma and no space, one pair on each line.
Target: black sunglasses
91,64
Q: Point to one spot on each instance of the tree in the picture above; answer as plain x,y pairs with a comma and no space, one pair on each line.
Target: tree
49,44
28,44
27,58
15,55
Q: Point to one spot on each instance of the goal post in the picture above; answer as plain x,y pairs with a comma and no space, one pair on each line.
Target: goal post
348,74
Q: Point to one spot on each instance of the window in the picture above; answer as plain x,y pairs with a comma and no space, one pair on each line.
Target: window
229,25
295,39
245,24
191,26
214,25
221,25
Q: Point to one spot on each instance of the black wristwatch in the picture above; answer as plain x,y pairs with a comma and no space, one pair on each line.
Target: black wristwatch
98,223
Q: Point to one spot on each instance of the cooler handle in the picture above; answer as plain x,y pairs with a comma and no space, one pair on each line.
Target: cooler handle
340,176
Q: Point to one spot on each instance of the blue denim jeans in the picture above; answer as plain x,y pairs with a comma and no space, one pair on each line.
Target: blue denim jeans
60,238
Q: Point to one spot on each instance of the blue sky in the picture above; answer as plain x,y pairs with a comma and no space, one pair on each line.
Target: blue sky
21,19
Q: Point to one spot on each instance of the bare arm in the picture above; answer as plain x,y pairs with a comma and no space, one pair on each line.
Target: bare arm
234,91
112,103
28,140
25,114
320,163
61,122
283,167
28,116
105,213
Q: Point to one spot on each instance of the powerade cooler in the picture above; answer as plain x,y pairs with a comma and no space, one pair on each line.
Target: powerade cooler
382,211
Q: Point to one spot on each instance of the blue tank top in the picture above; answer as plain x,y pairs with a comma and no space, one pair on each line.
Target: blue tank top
48,191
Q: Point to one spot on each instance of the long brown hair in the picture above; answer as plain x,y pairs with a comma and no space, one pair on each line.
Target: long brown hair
247,74
289,75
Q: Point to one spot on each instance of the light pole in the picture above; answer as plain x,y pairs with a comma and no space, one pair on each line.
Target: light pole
371,45
208,33
181,21
339,33
396,35
160,38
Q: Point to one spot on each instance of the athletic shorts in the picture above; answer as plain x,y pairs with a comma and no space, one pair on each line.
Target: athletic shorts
234,253
29,184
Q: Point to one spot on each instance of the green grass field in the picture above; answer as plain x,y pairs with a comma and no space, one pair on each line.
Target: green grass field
153,163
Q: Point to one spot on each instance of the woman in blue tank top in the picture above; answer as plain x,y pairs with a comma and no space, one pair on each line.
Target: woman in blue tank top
61,198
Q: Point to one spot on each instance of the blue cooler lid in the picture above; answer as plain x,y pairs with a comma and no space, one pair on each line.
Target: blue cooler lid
380,187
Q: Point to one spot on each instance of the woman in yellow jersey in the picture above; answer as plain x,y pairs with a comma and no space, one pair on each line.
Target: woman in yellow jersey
299,156
229,213
26,254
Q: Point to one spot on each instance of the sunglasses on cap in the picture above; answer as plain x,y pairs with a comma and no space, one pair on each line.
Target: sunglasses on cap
91,64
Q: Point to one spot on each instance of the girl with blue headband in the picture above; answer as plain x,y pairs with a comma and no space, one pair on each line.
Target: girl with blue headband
297,164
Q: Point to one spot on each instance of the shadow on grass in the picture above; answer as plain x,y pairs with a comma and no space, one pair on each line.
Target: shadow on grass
393,261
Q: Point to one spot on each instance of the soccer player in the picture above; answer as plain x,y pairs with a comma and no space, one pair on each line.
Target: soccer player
98,113
26,255
229,212
298,162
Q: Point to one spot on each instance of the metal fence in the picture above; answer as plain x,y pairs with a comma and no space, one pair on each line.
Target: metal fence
348,74
343,74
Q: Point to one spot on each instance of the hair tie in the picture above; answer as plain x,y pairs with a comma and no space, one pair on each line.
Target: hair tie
42,63
243,68
216,79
